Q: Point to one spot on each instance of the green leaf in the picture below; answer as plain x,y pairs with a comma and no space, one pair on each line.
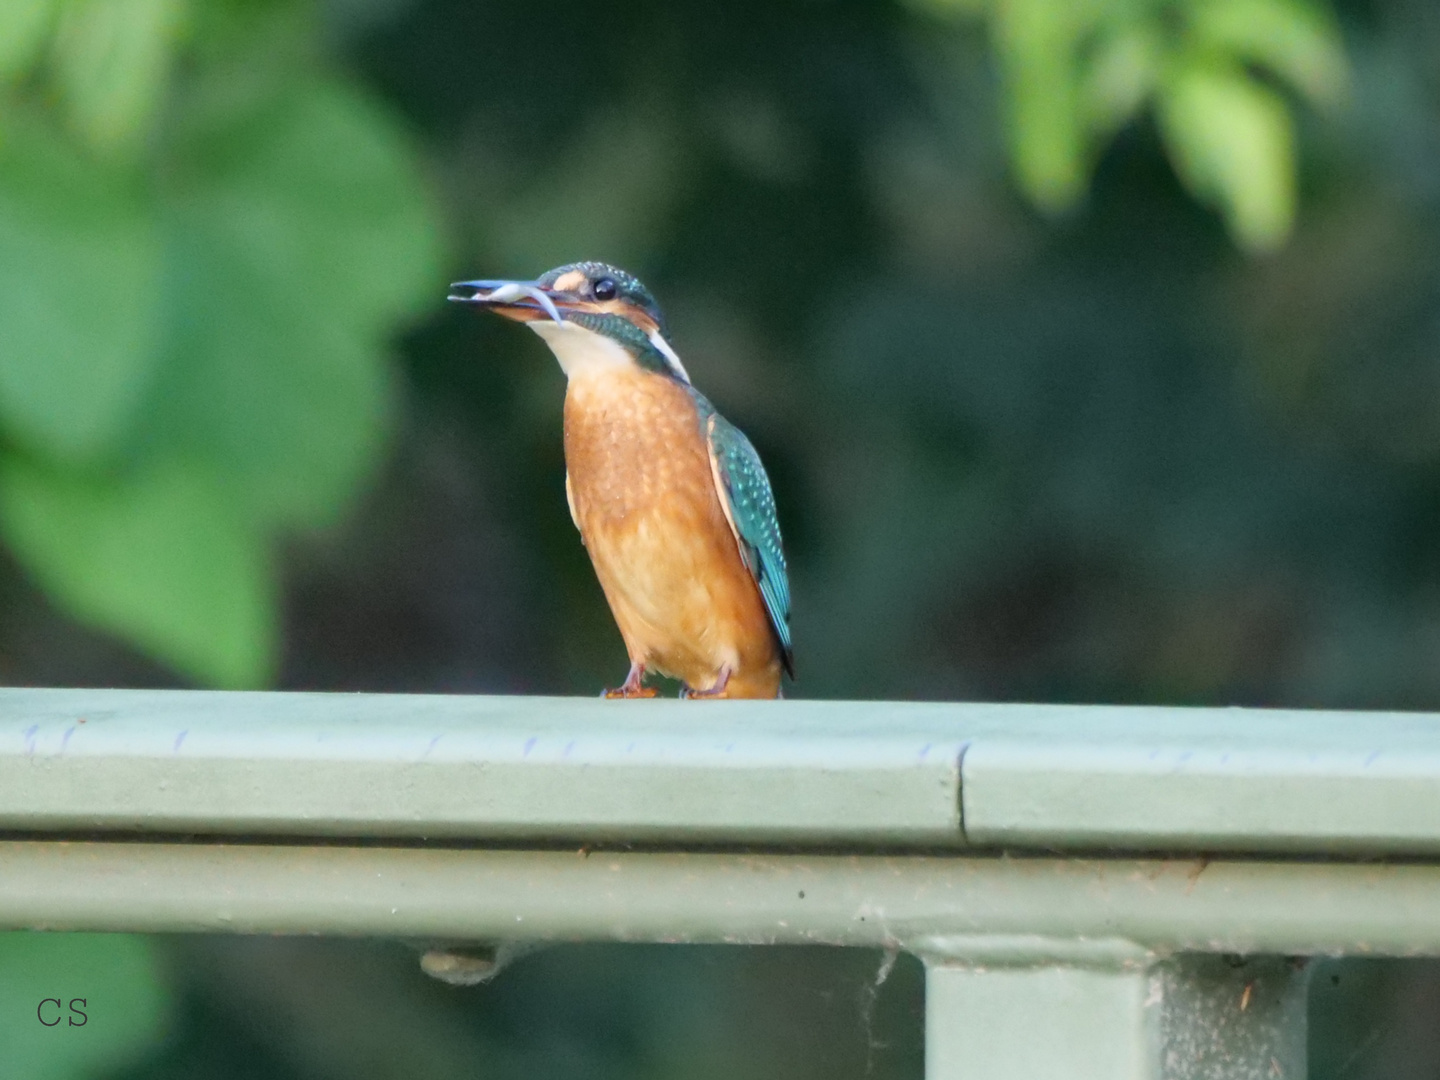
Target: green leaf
111,1003
1232,142
79,295
1120,75
1037,43
162,558
301,234
320,184
23,27
1294,39
112,58
290,406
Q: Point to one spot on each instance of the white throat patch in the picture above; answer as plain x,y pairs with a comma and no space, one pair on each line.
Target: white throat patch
584,352
581,351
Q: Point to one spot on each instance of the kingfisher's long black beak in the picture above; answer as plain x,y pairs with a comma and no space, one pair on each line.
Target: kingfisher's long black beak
519,300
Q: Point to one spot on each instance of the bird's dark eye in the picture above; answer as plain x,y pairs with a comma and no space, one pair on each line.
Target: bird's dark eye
604,289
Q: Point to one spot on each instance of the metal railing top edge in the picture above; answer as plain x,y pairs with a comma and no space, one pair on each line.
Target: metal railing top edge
809,772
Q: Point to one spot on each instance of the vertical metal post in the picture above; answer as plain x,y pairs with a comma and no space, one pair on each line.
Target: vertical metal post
1035,1009
1055,1023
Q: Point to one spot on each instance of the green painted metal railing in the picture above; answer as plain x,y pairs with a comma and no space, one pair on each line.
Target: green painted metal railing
1096,892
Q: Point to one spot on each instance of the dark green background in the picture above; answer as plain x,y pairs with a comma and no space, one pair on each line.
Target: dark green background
1106,458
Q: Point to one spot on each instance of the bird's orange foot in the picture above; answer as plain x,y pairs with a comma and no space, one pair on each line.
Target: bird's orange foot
621,692
631,687
716,691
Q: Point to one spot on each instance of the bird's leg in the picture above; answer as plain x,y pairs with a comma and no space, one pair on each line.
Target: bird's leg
716,691
631,687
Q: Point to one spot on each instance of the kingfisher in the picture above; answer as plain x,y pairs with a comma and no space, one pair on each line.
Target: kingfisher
671,500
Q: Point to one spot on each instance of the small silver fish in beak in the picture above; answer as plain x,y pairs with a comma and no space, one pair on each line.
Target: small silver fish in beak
507,298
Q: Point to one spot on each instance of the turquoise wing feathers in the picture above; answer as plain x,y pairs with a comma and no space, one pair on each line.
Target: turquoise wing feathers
750,505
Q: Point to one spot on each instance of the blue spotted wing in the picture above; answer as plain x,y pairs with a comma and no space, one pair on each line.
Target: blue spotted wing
749,504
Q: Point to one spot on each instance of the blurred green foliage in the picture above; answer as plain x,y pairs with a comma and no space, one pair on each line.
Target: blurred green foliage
123,1012
206,237
1214,72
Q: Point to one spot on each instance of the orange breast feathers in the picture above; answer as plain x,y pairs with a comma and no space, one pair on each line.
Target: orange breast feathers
643,496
